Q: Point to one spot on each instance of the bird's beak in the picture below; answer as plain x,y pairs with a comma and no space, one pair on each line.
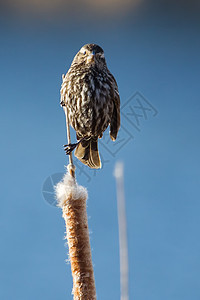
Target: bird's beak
91,58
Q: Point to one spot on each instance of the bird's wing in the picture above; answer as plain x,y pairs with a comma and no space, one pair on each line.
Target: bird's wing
63,90
115,120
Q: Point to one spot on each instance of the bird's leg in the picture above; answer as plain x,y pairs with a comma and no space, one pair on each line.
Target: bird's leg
70,147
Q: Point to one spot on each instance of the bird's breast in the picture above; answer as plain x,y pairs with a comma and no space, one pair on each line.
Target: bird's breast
90,104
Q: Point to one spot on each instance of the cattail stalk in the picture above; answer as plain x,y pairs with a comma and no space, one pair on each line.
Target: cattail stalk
72,199
123,243
71,168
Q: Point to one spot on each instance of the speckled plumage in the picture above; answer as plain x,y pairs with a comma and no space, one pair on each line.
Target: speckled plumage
90,93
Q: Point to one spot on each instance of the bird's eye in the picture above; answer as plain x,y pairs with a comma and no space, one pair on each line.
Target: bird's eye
84,52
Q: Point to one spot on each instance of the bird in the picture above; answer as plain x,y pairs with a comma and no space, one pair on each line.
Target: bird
90,94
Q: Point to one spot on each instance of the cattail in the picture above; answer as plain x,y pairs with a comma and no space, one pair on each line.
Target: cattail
123,243
72,199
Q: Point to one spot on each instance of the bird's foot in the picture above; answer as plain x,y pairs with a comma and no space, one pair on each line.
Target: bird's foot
70,147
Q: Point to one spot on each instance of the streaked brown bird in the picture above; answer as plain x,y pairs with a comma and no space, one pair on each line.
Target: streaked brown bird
90,93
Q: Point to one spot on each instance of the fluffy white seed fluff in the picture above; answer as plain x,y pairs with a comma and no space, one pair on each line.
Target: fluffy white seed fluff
68,188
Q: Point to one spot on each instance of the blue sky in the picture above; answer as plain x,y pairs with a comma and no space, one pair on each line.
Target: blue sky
155,55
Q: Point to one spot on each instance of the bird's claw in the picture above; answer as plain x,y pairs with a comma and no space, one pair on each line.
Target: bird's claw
69,148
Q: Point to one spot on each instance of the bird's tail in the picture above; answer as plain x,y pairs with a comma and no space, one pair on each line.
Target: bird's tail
87,152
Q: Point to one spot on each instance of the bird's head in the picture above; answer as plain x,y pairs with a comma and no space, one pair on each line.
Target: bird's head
90,55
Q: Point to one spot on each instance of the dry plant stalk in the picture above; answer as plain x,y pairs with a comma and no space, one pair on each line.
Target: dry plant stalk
123,242
72,199
71,168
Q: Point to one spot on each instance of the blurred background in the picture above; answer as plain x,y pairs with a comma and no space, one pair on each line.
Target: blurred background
152,48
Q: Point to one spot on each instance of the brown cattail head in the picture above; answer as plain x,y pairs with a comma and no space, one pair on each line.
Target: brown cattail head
72,199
